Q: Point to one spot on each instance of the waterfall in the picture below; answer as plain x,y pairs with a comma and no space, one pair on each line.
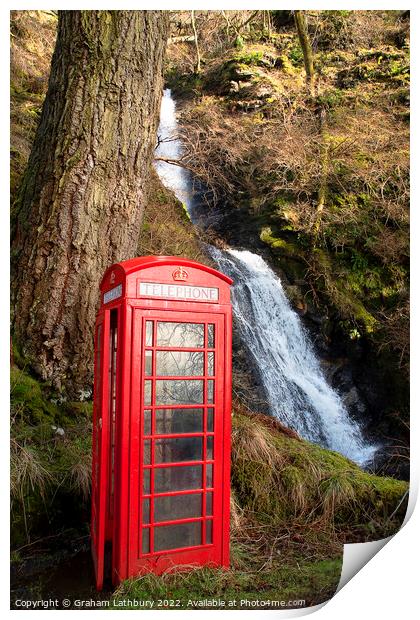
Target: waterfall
295,388
176,178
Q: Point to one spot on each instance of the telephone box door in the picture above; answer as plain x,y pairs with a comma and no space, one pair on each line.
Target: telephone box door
100,450
177,439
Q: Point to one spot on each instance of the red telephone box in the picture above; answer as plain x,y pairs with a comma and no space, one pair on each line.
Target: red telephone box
161,417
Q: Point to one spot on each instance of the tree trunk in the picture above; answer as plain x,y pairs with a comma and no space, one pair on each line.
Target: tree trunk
197,48
323,177
302,30
82,198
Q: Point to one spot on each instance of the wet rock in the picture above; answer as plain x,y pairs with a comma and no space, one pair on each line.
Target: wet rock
294,294
353,401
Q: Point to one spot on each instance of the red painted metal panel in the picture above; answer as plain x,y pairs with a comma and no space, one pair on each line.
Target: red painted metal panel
123,464
100,453
227,423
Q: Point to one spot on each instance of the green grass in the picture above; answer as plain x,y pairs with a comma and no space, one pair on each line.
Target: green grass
299,584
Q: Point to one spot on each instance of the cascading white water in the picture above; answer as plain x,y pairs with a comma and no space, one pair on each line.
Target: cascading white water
176,178
295,388
290,372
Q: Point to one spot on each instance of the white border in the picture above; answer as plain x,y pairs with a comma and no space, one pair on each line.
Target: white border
387,587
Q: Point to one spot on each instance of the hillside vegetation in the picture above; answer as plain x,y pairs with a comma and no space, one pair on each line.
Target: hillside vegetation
320,179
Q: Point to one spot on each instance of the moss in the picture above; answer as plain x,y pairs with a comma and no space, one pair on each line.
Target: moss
50,476
50,471
284,63
28,399
249,57
376,67
279,245
17,356
332,98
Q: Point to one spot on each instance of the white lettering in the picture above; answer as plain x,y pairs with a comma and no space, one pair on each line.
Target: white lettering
197,293
114,293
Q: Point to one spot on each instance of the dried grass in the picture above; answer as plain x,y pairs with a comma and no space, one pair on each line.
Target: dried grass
27,471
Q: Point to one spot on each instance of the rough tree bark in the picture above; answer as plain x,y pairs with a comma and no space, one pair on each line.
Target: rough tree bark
81,201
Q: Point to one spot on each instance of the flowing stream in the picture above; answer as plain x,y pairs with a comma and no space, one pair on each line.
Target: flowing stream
295,388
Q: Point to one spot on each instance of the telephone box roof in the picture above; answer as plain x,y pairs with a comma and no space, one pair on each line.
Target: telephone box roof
142,262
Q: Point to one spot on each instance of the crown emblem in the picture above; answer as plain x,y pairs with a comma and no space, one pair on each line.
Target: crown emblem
180,275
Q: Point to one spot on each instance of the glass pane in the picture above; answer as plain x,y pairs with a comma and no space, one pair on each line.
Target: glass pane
180,449
210,364
210,391
189,335
210,420
179,392
147,392
149,363
179,535
209,532
209,475
148,422
172,421
177,507
146,452
179,478
145,540
210,448
146,481
179,363
210,336
209,503
146,511
149,333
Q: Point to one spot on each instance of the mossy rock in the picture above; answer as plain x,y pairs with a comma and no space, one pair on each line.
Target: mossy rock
282,478
167,228
279,245
393,68
283,62
264,58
